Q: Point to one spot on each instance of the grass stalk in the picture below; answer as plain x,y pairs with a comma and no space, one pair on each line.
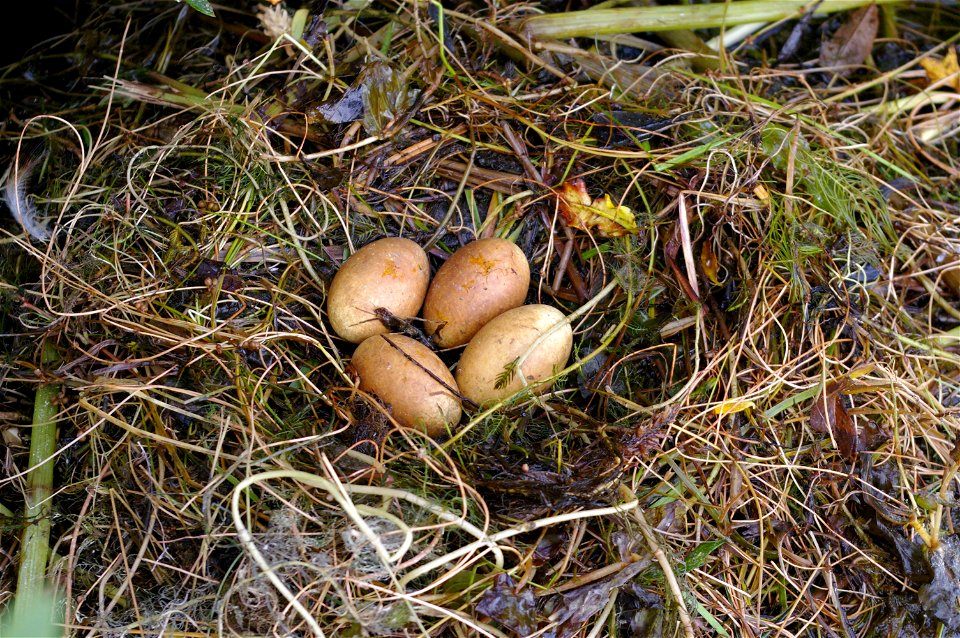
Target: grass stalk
35,546
705,58
591,22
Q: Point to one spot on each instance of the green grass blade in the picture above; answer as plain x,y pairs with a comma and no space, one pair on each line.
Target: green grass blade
673,17
35,546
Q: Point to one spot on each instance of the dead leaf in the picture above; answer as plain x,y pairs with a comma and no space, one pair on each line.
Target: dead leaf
386,97
852,42
829,416
573,609
874,435
820,414
512,609
845,432
579,210
940,596
379,96
674,243
11,437
709,262
347,108
943,69
549,547
732,406
762,194
861,371
671,249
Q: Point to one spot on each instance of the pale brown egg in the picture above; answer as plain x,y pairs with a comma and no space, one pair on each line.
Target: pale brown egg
414,397
478,282
390,273
490,358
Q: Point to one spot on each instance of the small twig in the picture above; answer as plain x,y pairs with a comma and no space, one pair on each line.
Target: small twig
446,387
565,254
521,151
661,557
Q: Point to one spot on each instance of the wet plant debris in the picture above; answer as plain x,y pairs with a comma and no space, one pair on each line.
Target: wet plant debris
744,213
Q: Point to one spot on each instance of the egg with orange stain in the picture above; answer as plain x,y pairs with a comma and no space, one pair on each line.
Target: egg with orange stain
391,273
480,281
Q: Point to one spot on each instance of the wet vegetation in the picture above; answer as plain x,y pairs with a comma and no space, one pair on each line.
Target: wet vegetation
748,212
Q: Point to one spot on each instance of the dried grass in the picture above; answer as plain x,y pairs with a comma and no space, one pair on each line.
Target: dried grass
218,472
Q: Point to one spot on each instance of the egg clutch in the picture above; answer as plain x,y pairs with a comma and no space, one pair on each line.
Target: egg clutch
476,298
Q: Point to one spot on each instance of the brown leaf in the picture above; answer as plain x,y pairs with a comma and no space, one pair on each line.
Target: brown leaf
672,247
874,435
548,548
515,610
829,416
852,42
845,432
